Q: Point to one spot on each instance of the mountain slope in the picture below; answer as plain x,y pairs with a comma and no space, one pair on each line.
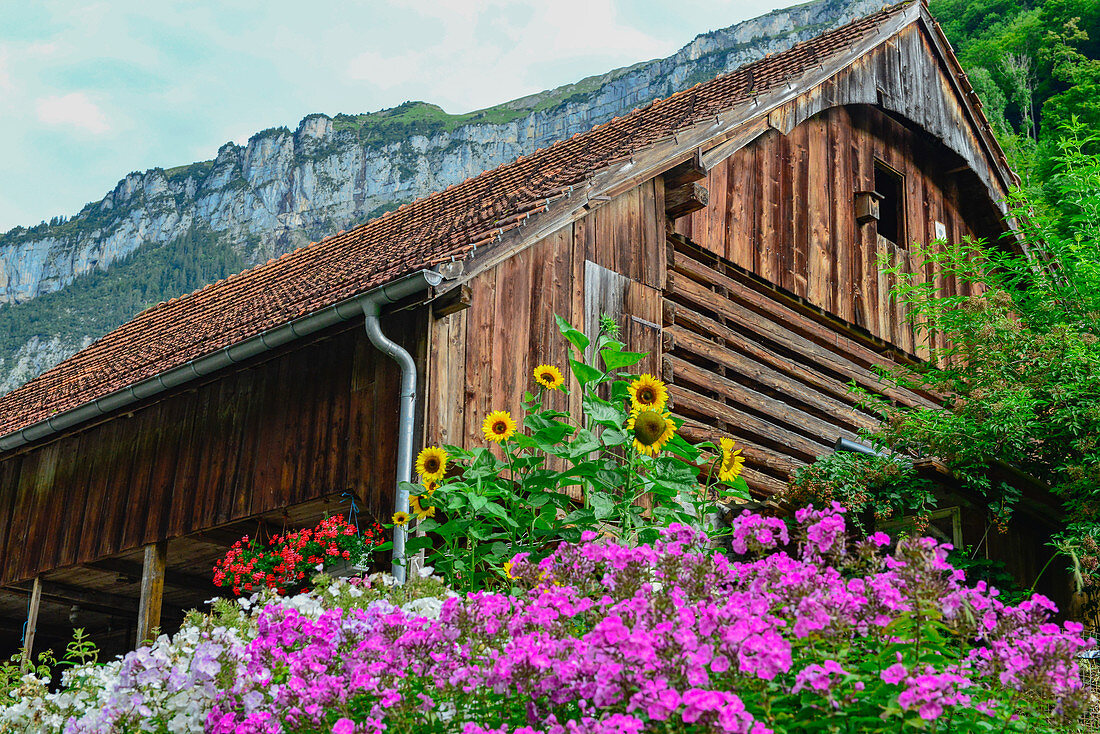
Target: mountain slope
165,232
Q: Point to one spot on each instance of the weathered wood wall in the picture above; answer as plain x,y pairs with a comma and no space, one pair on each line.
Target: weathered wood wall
481,359
745,360
305,423
783,208
770,300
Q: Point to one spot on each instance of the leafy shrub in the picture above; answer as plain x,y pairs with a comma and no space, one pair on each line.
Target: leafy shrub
869,486
629,471
1021,372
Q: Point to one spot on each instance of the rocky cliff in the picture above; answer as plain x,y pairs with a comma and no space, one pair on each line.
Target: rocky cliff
163,232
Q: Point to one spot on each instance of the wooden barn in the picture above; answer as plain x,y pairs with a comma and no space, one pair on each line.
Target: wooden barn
734,229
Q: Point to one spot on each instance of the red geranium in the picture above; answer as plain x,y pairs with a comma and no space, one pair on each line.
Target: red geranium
287,560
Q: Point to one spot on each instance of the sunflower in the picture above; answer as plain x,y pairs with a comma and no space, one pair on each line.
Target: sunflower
431,464
648,392
429,487
400,518
732,461
549,376
418,509
652,430
498,426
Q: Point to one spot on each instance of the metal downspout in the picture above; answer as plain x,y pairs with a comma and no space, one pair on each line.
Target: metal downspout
372,307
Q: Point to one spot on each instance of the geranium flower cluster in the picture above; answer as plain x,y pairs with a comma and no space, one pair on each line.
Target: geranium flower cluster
285,563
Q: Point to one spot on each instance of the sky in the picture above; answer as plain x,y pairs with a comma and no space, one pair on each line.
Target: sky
90,91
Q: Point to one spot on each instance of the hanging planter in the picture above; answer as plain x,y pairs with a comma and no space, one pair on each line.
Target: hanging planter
289,561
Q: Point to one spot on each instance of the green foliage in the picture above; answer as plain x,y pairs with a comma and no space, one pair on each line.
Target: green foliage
1021,372
101,300
993,572
557,477
1034,63
870,486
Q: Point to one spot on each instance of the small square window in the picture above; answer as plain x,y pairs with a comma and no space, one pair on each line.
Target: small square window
890,186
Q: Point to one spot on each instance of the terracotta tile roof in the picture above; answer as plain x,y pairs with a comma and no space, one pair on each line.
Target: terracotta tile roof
424,232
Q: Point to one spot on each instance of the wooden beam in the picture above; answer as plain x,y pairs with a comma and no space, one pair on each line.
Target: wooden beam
687,172
685,200
32,623
452,301
152,590
175,579
223,537
100,602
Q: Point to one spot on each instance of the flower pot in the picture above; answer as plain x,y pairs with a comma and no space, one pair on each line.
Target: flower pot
345,568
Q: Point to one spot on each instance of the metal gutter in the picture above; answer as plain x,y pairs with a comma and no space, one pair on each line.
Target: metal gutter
200,367
371,304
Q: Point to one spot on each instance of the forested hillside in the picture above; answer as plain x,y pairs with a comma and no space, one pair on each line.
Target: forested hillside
1035,65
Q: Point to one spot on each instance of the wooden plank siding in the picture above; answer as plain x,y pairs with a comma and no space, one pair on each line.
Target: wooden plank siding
744,359
788,214
307,422
492,348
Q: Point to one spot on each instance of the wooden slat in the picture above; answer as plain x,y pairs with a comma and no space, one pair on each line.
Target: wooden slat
788,339
685,398
746,398
770,305
767,460
844,415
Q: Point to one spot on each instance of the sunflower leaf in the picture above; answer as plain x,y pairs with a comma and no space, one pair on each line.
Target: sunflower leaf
585,373
416,543
576,338
614,359
602,505
603,412
614,437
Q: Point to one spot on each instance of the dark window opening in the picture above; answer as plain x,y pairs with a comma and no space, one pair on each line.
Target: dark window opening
890,186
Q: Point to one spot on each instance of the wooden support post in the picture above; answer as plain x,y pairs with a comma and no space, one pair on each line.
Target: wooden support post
32,623
152,590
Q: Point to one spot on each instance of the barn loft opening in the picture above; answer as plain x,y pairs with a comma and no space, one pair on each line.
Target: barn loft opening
890,186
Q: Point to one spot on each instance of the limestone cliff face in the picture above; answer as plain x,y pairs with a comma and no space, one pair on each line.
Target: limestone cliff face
284,189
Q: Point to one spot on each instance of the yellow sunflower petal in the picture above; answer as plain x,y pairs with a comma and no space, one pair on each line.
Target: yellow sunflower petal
549,376
431,464
648,392
498,426
732,461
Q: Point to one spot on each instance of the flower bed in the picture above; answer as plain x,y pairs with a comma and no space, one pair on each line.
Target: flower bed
802,631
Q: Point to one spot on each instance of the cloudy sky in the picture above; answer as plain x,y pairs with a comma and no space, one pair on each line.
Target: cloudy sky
92,90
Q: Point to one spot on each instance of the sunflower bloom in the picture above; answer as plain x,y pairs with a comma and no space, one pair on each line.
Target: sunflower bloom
431,464
732,461
419,509
498,426
400,518
648,392
549,376
652,430
429,487
508,569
